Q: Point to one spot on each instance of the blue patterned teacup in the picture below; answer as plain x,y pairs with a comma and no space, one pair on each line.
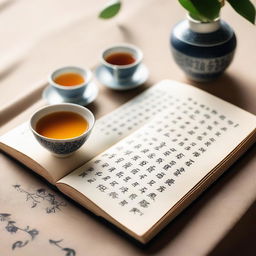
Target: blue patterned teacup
62,147
74,91
125,70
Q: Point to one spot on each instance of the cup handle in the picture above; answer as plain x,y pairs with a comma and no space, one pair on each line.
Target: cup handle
115,73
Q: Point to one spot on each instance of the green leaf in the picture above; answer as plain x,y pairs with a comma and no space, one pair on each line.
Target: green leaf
204,10
188,5
110,10
210,9
245,8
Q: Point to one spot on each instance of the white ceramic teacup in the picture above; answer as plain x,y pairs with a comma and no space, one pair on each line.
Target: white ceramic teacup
62,147
74,91
122,72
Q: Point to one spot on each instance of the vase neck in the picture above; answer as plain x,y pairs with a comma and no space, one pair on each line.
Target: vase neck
203,27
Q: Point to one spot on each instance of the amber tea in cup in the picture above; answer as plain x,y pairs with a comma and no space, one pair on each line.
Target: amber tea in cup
69,79
70,82
61,125
62,128
121,61
120,58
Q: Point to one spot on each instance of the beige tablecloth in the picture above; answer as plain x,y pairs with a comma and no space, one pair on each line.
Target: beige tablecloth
38,36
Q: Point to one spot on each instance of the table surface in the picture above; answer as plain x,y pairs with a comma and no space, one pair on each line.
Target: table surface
39,36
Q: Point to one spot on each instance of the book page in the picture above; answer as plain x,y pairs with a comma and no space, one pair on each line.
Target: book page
107,131
138,180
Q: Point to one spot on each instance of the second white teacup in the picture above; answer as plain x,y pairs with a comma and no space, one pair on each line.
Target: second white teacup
70,82
122,60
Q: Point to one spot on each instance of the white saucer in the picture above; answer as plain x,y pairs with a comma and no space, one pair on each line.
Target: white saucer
52,97
138,78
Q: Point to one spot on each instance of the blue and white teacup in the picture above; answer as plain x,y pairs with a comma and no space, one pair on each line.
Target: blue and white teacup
124,71
62,147
70,92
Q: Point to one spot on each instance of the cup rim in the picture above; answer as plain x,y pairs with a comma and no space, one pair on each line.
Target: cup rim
66,104
125,45
87,74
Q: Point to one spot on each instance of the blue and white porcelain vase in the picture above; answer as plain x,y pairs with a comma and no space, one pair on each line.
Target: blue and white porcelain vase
203,50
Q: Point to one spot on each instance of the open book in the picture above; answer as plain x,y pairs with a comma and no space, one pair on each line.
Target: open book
148,159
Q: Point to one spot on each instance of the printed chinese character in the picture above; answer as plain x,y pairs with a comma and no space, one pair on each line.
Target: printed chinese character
167,166
172,163
152,155
143,190
144,203
134,171
151,183
114,195
135,184
106,178
112,156
105,165
102,188
191,132
126,179
167,153
199,138
160,175
143,163
120,174
161,189
83,174
207,143
132,196
91,180
189,162
209,127
136,211
135,158
179,171
113,183
123,203
151,168
212,139
144,150
124,189
119,160
180,155
169,182
196,154
152,196
127,165
138,146
202,150
111,169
